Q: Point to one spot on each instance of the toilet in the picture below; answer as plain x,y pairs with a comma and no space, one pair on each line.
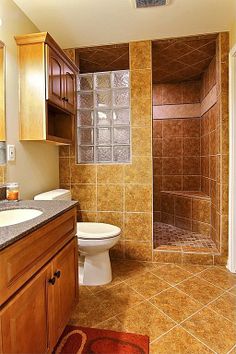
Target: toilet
94,240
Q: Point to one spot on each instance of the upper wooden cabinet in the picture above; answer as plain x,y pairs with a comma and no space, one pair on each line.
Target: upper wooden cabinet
47,90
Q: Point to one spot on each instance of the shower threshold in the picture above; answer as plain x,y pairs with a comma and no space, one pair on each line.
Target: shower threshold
168,237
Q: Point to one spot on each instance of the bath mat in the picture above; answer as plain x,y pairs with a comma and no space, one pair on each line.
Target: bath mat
81,340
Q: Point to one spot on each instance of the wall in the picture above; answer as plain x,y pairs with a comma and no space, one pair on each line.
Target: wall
121,194
36,166
176,141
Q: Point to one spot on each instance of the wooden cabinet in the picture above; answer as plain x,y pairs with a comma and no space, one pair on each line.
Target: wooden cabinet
24,320
34,317
47,83
64,290
61,88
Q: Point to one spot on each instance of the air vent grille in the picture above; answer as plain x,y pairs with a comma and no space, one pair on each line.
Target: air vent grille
150,3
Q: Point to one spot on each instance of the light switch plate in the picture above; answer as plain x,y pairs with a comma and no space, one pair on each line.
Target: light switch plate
11,153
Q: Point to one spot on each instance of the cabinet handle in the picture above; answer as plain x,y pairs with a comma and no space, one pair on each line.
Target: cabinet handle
57,273
52,281
65,99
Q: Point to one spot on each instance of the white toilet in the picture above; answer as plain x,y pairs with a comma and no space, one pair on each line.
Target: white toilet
94,240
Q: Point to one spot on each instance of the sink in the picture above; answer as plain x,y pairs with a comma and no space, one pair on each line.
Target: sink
16,216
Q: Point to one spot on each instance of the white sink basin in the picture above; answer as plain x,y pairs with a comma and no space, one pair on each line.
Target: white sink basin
16,216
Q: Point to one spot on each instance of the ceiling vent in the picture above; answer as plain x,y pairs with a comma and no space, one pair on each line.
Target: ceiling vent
150,3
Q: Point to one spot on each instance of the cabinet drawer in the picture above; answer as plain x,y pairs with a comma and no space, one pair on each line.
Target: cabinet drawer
21,260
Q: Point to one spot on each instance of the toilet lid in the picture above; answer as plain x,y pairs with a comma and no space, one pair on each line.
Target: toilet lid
95,230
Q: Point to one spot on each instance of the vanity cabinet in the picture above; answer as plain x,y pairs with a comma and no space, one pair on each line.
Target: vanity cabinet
47,85
34,317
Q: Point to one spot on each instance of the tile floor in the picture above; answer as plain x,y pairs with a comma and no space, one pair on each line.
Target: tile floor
166,235
183,309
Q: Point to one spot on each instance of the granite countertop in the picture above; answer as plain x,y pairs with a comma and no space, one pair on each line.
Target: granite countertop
50,208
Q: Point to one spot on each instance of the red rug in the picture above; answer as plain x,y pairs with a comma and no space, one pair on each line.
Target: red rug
80,340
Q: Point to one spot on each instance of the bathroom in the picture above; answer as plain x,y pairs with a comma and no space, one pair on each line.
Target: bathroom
163,180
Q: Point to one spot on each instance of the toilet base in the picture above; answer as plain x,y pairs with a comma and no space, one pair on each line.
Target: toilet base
95,269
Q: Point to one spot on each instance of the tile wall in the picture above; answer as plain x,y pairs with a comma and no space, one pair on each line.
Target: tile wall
214,150
176,142
121,194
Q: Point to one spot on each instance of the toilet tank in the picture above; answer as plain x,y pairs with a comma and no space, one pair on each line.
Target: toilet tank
55,194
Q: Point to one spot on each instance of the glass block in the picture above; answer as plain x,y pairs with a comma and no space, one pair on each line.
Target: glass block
121,78
121,116
102,80
121,135
86,154
104,154
121,153
85,100
86,136
103,136
121,98
85,82
85,117
103,99
103,117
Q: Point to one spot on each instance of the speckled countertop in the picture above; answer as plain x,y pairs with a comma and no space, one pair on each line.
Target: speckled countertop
50,208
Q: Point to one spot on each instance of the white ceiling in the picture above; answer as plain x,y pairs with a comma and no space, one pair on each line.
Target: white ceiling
76,23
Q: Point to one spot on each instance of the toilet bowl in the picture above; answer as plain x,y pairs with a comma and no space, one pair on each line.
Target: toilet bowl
94,240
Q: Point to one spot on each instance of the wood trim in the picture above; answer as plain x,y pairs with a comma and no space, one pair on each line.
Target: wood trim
231,264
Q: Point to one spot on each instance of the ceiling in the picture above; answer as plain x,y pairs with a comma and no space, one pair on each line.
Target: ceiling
103,58
182,59
79,23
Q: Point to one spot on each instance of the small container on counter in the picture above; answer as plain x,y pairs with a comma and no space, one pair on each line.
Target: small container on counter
12,191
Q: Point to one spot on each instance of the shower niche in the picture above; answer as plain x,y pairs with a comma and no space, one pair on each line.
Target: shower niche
188,155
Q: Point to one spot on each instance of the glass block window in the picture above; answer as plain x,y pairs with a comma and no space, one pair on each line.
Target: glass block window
103,117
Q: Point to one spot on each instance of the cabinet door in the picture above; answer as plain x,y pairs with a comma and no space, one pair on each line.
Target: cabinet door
24,320
55,78
65,268
69,89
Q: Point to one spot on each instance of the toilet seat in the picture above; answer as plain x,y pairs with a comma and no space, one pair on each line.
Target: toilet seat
96,231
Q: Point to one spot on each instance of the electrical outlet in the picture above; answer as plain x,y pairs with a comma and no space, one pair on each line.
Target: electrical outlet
11,153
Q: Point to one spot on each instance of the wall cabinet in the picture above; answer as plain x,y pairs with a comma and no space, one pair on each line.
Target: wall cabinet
47,84
33,319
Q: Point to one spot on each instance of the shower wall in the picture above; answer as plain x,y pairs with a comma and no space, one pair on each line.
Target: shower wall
120,194
176,140
212,108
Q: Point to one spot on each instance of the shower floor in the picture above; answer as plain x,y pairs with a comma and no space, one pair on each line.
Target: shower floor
167,236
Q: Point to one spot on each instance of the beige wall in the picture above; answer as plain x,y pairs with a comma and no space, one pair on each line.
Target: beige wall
36,165
233,29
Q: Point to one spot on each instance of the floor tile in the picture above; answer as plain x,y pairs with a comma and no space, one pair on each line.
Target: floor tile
178,341
96,289
225,306
219,277
126,269
89,311
175,304
147,285
119,298
113,324
145,319
166,235
200,290
172,273
232,291
212,329
193,268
